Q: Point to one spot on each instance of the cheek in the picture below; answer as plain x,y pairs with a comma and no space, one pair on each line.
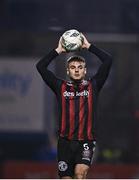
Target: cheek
70,72
83,72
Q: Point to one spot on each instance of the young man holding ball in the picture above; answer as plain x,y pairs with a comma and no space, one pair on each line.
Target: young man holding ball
77,101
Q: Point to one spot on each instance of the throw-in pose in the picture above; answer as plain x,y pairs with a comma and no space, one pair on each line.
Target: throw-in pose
77,101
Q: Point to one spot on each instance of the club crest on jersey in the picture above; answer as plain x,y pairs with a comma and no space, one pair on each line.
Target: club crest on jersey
76,94
86,155
62,166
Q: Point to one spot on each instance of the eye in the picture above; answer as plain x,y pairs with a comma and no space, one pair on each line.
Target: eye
72,67
80,67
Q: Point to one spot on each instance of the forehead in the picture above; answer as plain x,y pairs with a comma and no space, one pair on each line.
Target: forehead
76,63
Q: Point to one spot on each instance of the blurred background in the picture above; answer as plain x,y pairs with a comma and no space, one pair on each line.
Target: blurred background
29,29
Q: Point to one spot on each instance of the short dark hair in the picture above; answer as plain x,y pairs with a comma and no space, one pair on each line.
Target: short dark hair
75,58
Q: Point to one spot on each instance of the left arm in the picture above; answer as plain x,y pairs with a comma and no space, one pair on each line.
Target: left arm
104,68
106,60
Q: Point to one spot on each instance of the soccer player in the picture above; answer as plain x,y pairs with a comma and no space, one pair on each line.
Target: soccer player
77,101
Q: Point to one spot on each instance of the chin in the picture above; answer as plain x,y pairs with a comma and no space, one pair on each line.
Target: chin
76,79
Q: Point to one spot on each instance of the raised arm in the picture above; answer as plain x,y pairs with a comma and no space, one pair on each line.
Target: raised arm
104,68
42,67
106,60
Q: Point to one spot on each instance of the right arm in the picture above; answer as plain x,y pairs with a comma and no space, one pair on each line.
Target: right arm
42,67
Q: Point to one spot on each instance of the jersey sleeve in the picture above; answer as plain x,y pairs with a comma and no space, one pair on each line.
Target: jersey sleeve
104,69
49,77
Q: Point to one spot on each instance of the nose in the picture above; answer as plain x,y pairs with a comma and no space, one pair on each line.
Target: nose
76,70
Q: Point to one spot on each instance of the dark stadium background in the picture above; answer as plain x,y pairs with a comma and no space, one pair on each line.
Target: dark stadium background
28,30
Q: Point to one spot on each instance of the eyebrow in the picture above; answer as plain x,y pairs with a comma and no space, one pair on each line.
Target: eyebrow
81,65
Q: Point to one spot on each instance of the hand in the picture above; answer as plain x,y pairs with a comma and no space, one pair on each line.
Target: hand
60,49
86,44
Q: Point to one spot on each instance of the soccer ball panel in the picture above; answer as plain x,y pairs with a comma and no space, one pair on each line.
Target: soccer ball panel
72,40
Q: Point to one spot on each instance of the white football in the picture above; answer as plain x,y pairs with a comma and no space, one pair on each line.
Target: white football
72,40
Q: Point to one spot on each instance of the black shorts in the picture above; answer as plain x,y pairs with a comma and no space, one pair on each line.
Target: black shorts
73,152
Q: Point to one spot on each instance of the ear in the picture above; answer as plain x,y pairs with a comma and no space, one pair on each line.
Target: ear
85,71
67,72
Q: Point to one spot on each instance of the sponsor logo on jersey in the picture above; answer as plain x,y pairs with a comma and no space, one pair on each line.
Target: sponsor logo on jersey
73,94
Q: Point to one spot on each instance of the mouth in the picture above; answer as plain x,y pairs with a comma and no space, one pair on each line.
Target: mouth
77,75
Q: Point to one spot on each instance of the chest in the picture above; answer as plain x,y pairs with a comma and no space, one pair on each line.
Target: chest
76,91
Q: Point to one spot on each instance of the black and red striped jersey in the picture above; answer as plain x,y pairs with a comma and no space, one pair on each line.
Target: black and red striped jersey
77,101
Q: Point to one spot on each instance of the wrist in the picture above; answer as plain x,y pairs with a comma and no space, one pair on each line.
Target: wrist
58,50
88,45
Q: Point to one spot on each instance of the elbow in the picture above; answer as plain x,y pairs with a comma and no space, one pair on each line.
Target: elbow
110,59
38,66
110,56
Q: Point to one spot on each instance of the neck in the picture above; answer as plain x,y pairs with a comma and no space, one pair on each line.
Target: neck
77,81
